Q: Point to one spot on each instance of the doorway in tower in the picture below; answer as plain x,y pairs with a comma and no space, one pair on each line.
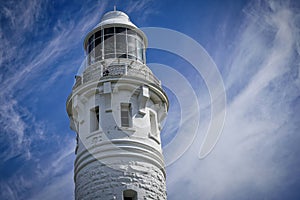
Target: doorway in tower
129,195
94,119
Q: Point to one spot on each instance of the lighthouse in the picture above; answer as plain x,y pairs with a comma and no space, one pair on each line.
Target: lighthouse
116,108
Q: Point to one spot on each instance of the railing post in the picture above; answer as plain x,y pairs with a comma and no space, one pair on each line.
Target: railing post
101,70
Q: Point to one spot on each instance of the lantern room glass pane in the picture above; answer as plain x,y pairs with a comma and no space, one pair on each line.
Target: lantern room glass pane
109,45
98,34
120,30
109,31
98,42
140,51
131,32
116,42
139,38
121,43
91,39
131,46
90,47
98,48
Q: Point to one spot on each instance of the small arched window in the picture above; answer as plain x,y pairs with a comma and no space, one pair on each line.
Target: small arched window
126,119
129,195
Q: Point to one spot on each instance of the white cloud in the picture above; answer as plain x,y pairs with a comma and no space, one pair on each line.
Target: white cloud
22,14
58,188
22,73
7,192
20,128
142,8
259,116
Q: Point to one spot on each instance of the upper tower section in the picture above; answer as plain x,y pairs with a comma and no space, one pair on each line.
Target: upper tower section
115,37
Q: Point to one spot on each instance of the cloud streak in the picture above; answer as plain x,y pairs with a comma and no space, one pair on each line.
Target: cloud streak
21,131
259,114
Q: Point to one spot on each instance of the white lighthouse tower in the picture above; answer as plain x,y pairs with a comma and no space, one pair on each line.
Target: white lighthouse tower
116,108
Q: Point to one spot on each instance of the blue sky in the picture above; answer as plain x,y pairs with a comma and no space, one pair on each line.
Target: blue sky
254,44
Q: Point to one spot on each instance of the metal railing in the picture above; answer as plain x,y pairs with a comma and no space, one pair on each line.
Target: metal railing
116,70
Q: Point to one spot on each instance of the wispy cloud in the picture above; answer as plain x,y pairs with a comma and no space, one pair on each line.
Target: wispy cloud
22,63
134,6
61,42
21,15
141,8
50,178
253,151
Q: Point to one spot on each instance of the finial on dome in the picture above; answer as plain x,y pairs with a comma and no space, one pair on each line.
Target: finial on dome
115,7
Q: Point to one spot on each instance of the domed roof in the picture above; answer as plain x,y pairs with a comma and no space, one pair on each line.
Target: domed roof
115,17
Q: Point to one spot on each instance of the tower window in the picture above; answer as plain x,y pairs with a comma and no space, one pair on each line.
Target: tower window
129,195
94,119
125,114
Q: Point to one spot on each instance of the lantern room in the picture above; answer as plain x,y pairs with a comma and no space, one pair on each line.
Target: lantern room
115,37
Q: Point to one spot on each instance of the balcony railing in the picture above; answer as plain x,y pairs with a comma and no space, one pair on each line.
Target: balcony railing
116,70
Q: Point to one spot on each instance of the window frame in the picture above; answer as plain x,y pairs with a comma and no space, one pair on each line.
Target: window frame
94,119
126,113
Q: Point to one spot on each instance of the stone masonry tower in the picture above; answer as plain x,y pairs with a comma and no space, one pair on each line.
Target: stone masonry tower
116,108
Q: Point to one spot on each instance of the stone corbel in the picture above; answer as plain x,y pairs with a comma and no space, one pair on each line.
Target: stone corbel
77,106
161,110
142,99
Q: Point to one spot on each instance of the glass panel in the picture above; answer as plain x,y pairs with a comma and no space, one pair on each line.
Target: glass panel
124,118
98,42
90,47
107,37
98,49
139,38
131,32
91,39
140,51
121,43
109,45
125,115
131,46
98,34
91,53
109,55
109,31
120,30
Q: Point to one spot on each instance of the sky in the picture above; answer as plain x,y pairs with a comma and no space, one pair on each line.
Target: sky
254,47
